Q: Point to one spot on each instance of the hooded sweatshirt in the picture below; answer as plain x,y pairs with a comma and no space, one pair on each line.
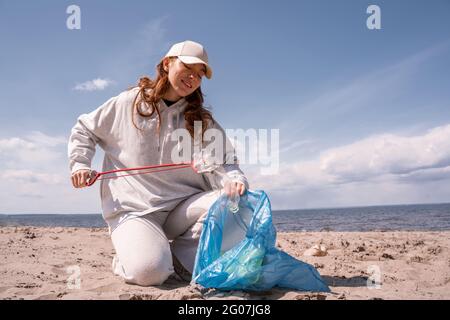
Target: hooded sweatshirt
111,127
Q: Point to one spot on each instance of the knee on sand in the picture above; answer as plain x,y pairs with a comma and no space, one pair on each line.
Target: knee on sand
152,273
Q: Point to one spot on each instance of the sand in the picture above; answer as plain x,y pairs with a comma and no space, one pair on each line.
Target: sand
44,263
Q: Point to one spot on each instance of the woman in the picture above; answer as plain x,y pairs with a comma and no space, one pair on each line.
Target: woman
154,220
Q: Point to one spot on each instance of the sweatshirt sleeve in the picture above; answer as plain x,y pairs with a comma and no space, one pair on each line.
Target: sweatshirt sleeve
90,129
230,165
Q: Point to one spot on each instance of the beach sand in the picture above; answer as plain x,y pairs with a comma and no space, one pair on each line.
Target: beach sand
43,263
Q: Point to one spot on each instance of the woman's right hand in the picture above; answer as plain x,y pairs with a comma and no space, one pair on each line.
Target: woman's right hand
81,177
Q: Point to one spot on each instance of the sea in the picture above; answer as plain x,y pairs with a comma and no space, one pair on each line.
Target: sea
414,217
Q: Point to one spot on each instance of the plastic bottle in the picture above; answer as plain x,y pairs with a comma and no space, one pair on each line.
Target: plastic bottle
233,202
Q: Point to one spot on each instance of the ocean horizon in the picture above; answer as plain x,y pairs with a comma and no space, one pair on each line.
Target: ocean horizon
408,217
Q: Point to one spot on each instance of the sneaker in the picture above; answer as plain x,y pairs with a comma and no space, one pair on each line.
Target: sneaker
180,270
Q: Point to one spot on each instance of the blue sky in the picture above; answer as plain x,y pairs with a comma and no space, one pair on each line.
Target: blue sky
339,93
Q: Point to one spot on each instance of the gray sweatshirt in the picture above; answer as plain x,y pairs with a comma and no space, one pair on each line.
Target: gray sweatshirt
110,126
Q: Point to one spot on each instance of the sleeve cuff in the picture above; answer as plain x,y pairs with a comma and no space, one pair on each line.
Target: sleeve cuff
79,166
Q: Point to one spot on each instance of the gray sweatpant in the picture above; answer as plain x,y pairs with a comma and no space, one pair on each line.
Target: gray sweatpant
144,244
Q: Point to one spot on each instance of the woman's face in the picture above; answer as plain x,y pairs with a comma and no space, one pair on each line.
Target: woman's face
184,78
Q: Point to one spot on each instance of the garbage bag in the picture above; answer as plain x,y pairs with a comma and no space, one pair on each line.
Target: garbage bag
237,250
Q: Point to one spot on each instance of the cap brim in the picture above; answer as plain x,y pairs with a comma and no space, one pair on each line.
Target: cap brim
193,60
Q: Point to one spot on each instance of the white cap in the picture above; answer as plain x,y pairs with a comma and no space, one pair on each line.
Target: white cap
190,52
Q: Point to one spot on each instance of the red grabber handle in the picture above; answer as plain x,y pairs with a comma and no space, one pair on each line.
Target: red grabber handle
92,180
161,167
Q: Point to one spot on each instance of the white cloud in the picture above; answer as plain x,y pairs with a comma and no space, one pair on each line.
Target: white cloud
384,168
388,154
35,177
28,176
425,175
34,150
31,166
94,85
46,140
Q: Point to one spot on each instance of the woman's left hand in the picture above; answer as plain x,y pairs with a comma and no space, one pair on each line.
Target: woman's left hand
232,188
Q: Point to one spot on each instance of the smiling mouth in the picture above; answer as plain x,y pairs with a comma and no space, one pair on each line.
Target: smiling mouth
187,85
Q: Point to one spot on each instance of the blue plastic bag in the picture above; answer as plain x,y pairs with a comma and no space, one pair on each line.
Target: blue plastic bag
237,251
